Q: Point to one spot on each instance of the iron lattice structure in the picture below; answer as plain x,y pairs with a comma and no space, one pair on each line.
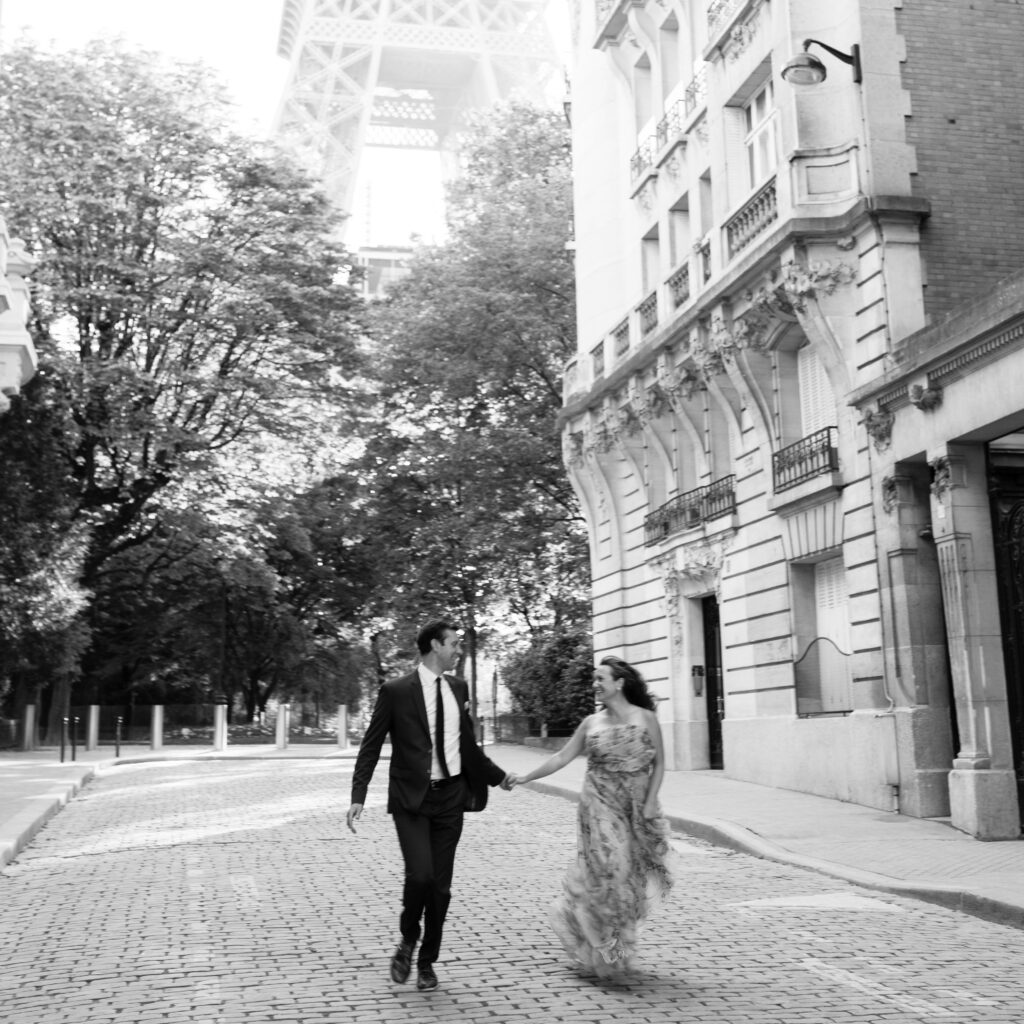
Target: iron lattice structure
400,73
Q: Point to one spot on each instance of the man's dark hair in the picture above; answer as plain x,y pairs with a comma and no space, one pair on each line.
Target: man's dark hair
433,631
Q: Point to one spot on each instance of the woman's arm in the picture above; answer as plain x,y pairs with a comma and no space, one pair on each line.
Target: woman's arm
658,772
563,757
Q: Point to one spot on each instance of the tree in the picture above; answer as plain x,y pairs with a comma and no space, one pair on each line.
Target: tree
552,680
464,473
188,294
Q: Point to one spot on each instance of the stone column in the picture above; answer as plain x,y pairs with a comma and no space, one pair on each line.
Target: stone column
982,785
916,673
343,726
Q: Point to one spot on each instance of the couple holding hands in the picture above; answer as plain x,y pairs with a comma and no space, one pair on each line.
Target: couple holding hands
438,772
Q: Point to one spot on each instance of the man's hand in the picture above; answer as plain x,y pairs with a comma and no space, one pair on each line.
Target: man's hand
353,816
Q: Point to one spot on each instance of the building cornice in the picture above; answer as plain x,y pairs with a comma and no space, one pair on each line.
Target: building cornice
941,353
795,231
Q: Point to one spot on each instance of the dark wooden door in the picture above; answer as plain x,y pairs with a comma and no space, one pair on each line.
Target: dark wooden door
713,692
1007,489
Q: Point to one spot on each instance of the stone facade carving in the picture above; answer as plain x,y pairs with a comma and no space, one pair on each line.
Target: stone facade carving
878,423
817,277
890,493
942,476
925,398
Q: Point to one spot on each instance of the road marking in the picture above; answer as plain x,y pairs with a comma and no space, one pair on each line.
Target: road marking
839,976
825,901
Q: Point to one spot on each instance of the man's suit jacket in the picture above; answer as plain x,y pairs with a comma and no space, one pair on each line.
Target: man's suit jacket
402,712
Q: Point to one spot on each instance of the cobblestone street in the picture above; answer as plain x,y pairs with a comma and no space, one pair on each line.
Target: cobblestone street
220,892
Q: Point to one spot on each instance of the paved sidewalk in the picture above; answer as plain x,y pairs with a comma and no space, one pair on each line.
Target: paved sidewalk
927,859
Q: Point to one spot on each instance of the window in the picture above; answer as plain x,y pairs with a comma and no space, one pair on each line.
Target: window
822,617
759,115
817,402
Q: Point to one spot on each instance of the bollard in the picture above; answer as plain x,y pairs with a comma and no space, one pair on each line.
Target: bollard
117,737
74,737
343,726
63,737
92,728
156,727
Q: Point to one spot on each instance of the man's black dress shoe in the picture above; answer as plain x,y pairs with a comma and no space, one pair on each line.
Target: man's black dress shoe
426,978
401,962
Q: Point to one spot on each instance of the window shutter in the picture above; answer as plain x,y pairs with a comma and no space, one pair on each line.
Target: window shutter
817,402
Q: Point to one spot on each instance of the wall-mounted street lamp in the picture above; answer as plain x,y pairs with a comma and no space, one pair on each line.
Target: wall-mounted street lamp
806,69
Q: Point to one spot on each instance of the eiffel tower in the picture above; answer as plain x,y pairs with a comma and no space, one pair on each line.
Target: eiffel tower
400,74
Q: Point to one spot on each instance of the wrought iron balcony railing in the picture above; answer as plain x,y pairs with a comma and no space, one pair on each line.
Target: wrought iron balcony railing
670,127
755,216
719,12
689,510
642,158
696,92
811,456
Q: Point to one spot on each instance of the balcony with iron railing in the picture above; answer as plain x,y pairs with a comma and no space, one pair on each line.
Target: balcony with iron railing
757,213
719,13
696,92
687,511
643,158
670,127
811,456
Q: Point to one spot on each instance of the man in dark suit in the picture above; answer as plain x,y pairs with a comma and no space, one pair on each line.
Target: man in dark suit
437,772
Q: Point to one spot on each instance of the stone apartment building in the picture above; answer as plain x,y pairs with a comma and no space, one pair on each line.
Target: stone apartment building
792,420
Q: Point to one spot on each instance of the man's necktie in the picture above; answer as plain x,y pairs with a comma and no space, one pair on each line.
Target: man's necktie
439,730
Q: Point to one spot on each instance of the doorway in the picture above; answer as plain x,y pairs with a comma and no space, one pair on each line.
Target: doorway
1006,486
714,694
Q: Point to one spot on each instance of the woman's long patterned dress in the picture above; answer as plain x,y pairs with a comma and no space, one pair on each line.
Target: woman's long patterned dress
620,868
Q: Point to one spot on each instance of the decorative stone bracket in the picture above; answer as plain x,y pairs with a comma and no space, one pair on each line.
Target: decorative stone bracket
925,397
878,423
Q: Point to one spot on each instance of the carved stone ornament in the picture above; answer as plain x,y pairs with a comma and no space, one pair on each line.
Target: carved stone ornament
818,277
645,197
575,450
658,402
701,561
686,382
890,493
630,420
673,166
878,423
942,476
925,398
740,38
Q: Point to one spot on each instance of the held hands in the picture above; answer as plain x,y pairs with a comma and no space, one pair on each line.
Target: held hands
511,781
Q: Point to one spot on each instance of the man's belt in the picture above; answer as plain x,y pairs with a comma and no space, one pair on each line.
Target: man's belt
438,783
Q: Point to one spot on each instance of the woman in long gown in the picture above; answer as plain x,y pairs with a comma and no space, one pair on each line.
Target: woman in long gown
620,869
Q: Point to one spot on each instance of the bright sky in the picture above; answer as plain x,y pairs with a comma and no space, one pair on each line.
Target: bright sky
236,37
397,194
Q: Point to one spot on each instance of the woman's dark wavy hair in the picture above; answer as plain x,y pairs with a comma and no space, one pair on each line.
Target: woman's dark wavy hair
634,689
